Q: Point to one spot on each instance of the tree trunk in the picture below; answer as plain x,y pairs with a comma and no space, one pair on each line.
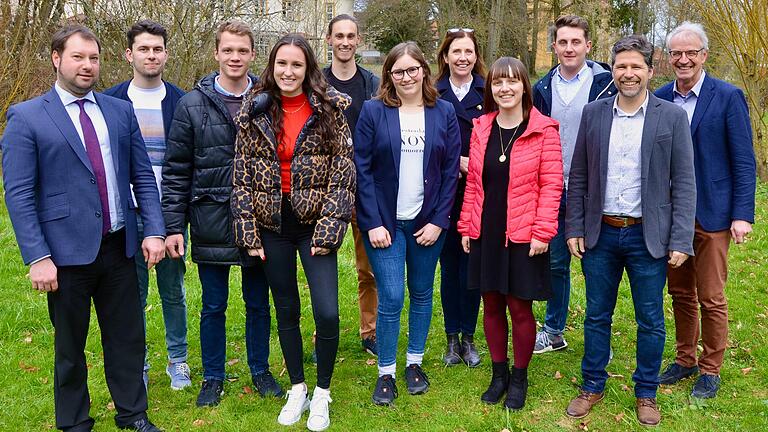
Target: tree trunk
534,39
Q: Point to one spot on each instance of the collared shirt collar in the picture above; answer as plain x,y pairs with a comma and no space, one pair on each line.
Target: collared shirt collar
696,90
462,90
68,98
226,92
577,77
620,113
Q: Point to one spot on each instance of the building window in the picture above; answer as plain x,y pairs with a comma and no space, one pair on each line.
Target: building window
290,10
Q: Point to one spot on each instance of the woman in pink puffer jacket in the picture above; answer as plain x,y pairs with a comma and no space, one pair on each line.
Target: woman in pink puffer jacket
508,218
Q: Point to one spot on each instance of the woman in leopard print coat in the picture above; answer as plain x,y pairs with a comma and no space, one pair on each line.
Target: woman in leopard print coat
294,185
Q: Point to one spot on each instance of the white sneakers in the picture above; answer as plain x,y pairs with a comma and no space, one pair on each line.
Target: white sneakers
295,406
297,403
319,420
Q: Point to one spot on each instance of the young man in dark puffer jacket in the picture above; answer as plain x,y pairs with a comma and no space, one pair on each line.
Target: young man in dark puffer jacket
197,182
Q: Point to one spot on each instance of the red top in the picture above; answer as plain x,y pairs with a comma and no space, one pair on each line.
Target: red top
296,112
535,180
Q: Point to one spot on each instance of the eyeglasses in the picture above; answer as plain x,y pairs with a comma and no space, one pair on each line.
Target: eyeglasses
412,72
689,54
465,30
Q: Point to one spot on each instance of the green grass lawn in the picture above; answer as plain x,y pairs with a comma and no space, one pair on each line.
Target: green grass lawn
452,403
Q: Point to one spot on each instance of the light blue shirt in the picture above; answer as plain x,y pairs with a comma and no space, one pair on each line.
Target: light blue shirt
623,185
97,118
688,102
568,88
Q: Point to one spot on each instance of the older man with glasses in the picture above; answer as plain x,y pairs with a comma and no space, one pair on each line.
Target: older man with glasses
725,183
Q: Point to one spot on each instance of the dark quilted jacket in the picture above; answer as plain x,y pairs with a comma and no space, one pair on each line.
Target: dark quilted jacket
197,175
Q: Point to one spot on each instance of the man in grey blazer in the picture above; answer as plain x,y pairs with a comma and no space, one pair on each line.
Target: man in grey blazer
631,205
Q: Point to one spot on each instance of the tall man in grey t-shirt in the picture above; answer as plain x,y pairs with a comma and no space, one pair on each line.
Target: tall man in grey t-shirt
360,84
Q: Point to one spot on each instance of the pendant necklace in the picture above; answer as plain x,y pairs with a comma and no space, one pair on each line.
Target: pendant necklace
503,157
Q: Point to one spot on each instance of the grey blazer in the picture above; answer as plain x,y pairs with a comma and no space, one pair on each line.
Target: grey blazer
668,190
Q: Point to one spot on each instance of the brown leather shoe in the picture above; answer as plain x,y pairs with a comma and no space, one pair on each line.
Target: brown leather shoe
581,404
648,412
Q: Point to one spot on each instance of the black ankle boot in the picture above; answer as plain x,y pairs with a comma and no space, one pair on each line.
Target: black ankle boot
518,388
452,351
499,383
468,351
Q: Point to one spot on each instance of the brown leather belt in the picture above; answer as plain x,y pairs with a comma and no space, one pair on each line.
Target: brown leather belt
621,221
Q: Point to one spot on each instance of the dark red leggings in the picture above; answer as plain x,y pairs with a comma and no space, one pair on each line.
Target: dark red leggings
497,328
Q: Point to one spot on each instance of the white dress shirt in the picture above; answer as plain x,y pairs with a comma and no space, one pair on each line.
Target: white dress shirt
97,118
461,90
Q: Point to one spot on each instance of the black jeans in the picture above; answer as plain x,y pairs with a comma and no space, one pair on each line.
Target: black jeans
112,284
322,276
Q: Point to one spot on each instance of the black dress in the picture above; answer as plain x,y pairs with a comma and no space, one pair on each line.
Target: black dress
492,265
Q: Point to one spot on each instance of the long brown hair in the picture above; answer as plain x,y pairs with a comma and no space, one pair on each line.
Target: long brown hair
508,67
442,53
387,92
314,83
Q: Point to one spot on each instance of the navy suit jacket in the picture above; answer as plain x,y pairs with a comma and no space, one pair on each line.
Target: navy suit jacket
668,187
50,187
377,160
724,158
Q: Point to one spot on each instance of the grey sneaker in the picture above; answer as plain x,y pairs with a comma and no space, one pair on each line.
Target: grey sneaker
179,374
546,342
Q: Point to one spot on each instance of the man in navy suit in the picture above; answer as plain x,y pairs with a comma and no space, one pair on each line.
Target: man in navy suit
725,181
69,159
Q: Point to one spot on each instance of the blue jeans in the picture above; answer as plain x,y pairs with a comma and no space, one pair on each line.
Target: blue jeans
389,266
460,305
560,277
170,286
213,335
618,249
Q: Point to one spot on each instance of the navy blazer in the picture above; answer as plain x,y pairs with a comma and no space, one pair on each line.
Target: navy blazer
724,159
467,109
377,160
668,187
50,188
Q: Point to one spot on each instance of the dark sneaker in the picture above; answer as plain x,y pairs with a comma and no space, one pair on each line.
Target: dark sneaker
369,345
706,386
266,385
416,380
674,373
546,342
385,391
210,393
142,425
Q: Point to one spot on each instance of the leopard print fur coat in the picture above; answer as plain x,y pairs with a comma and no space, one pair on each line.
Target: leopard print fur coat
322,174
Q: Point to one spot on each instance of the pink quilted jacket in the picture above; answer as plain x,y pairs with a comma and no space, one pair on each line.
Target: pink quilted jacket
535,180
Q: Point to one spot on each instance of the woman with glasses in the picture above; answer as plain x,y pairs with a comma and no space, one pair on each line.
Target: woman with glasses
460,82
508,218
407,150
294,184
